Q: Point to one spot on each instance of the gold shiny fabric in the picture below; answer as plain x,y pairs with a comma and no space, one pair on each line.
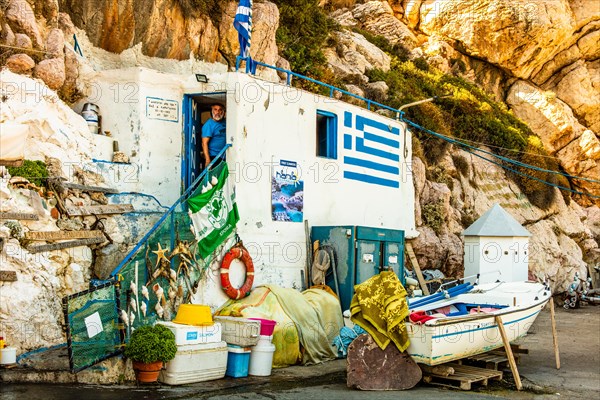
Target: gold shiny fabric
379,306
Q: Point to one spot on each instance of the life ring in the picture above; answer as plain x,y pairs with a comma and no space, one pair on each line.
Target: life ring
242,254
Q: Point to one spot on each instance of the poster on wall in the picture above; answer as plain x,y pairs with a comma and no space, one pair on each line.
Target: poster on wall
287,193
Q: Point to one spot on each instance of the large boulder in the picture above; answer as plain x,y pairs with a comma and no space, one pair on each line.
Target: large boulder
354,55
378,18
21,19
577,148
265,21
52,72
517,35
20,63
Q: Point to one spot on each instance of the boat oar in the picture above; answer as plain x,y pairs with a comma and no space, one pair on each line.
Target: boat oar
455,291
509,353
438,296
554,334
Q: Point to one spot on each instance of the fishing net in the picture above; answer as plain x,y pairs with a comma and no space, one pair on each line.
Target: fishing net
93,329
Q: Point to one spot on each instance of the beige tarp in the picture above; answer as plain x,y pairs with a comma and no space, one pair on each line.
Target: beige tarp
307,322
12,142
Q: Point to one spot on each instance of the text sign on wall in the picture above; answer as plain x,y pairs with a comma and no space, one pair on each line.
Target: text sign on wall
165,110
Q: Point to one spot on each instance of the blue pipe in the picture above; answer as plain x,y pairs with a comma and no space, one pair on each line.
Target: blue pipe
455,291
440,295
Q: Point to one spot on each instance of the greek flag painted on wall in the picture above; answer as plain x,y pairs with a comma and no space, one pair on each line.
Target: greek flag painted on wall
371,151
213,211
243,24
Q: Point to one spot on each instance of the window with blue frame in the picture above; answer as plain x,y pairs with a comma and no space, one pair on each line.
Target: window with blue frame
326,134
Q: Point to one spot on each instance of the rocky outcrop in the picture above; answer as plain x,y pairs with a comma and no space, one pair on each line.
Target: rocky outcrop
265,21
517,35
20,63
378,18
354,55
170,32
577,148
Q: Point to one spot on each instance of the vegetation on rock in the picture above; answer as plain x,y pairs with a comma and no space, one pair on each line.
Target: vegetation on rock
34,171
303,30
472,116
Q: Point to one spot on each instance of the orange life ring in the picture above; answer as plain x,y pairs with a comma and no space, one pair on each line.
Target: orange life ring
242,254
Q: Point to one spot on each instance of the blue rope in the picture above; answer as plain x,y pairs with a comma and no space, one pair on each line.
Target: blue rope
76,46
511,161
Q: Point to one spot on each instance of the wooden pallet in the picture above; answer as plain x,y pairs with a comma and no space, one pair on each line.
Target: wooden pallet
496,360
463,377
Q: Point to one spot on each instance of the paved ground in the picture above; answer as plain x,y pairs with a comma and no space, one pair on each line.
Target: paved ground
578,378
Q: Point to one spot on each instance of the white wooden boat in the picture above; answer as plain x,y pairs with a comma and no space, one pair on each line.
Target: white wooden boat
466,333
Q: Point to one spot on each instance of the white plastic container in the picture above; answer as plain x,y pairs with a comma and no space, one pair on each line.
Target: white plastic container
188,334
242,332
9,356
196,363
261,357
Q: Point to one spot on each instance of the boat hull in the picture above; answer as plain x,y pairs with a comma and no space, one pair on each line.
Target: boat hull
458,337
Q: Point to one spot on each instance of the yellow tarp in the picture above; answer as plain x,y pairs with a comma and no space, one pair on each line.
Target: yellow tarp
307,322
379,306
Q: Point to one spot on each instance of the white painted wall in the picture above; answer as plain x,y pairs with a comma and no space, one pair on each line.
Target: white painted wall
266,122
496,257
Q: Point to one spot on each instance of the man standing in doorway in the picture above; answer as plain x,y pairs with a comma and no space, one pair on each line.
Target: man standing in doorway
213,133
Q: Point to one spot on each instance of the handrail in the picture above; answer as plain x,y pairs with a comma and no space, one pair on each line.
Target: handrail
332,89
189,190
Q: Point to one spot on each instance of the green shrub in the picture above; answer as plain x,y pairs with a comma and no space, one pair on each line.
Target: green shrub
469,114
34,171
303,30
433,216
438,174
461,164
151,343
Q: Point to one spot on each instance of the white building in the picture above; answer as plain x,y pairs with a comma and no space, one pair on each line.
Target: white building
496,248
353,164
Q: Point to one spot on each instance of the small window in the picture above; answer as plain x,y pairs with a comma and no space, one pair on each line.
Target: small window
326,134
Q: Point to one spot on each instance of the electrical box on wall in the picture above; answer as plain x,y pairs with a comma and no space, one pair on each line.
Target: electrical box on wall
359,253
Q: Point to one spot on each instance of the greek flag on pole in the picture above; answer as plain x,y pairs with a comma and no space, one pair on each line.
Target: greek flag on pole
243,24
213,212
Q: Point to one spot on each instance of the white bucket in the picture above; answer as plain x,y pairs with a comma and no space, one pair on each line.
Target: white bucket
261,359
9,356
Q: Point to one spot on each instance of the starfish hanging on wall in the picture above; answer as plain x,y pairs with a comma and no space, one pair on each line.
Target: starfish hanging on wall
160,255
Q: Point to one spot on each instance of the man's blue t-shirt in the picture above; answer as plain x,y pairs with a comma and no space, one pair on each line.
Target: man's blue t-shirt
216,131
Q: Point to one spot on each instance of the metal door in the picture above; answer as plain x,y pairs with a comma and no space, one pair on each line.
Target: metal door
393,258
367,259
191,152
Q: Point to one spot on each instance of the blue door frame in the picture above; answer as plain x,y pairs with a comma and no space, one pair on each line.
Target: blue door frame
192,129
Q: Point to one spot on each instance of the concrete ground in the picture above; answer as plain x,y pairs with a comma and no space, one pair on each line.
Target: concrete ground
578,377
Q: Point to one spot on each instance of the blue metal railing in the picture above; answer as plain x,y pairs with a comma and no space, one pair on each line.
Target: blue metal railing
169,212
332,89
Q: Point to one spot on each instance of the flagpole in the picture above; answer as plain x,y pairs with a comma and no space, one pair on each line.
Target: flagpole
243,24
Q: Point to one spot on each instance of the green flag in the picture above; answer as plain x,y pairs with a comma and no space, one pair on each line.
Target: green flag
214,212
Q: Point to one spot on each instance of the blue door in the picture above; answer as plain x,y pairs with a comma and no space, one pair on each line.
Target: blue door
191,152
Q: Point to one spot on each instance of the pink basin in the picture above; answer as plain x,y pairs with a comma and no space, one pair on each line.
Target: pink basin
267,326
